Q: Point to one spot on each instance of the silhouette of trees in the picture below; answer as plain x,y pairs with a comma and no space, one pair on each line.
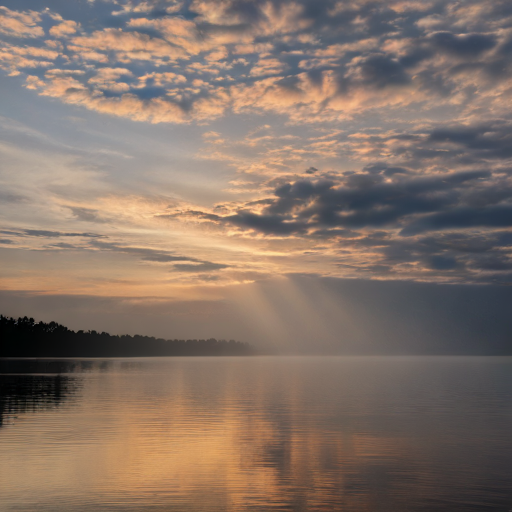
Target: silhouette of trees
23,337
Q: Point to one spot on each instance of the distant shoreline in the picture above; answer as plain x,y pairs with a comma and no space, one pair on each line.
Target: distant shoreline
24,338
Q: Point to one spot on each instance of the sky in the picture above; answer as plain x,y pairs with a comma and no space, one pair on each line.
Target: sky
259,169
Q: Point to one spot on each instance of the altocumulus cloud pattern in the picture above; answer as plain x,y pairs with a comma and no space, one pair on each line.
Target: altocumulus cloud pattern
385,142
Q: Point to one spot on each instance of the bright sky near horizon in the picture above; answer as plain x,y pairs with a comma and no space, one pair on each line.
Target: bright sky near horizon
176,149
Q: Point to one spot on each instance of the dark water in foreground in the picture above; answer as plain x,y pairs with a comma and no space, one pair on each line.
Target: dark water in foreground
258,434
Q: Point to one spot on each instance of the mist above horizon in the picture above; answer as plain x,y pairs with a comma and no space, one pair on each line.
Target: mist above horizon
303,315
262,161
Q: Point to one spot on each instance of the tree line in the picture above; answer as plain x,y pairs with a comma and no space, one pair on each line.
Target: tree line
23,337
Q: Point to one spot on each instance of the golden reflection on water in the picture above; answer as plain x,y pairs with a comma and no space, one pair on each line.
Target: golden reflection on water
263,434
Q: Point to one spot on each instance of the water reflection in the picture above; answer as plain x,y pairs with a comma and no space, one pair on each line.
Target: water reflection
30,393
353,434
54,366
30,386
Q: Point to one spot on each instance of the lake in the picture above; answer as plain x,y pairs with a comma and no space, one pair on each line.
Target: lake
256,434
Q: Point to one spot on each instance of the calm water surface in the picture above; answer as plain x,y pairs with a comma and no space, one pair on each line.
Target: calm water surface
258,434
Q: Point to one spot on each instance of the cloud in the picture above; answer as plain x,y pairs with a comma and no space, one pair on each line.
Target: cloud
268,224
7,197
489,140
144,253
20,24
269,66
66,28
463,45
157,8
161,256
86,214
391,218
360,200
14,58
380,71
126,46
205,266
380,132
493,217
370,56
42,233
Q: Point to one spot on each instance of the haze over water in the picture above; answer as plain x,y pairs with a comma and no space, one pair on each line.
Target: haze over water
262,433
